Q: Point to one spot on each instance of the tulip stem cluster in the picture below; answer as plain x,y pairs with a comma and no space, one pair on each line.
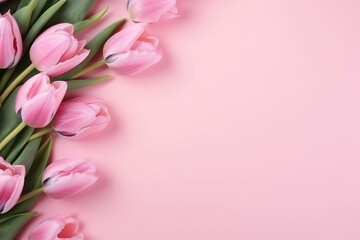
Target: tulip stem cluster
35,94
16,82
29,195
89,68
13,134
41,133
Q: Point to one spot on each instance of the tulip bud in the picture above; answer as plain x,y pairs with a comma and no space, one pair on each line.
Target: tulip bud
11,184
56,229
38,100
67,177
10,41
56,51
150,11
131,51
80,117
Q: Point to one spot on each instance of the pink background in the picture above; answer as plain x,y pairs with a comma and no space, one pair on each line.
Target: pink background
249,129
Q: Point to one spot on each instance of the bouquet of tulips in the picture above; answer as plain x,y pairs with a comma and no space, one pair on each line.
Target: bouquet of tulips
42,58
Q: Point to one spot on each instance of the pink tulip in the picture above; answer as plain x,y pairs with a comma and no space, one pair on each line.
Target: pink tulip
10,41
56,228
38,100
57,51
80,117
150,11
67,177
131,50
11,184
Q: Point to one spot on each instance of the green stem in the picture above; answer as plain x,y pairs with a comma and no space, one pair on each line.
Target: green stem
89,68
41,133
13,134
5,78
29,195
16,82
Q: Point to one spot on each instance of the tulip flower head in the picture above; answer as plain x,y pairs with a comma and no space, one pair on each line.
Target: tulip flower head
38,100
80,117
11,45
11,184
151,11
56,229
131,50
67,177
56,51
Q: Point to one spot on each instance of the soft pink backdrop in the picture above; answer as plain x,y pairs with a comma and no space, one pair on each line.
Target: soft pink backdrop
249,129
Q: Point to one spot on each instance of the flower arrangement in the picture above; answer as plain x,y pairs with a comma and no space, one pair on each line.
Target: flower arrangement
42,58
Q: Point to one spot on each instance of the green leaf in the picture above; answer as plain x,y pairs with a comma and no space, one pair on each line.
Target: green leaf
34,176
9,120
28,155
19,143
7,149
23,3
8,6
40,23
73,11
37,10
49,3
10,227
19,208
80,83
23,16
91,20
94,46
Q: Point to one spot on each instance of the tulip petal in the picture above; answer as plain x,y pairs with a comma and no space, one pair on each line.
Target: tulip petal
149,11
67,65
30,88
7,53
11,185
70,228
148,44
95,107
78,236
4,164
60,91
79,117
37,100
18,44
56,51
68,165
67,177
71,118
86,99
19,184
122,41
71,51
56,228
69,185
172,13
61,27
8,183
47,50
81,45
99,124
47,230
38,111
133,61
